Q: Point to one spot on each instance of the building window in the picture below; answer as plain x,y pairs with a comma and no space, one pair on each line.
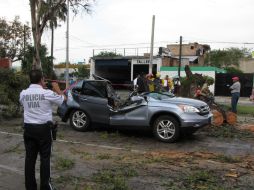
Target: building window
192,47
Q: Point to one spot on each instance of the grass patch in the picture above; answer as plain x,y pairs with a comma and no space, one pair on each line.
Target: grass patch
228,131
71,182
14,149
83,155
17,129
245,110
104,156
64,163
114,178
241,109
201,180
60,136
197,179
227,159
106,135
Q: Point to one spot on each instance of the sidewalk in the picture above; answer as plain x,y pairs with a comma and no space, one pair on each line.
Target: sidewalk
227,100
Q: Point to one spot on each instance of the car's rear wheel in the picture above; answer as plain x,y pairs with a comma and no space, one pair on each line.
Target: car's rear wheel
79,120
166,129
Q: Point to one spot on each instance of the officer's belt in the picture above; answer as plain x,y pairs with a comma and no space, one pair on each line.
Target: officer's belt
35,125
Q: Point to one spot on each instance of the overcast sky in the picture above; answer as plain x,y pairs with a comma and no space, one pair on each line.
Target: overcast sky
128,23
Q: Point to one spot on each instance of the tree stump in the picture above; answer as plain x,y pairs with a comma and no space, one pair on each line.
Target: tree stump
231,118
218,118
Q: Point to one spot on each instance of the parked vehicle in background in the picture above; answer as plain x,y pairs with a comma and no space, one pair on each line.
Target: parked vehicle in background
95,101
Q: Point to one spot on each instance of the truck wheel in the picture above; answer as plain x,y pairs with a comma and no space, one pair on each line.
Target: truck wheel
79,120
166,129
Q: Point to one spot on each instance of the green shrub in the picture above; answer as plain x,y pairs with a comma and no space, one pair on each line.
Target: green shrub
12,83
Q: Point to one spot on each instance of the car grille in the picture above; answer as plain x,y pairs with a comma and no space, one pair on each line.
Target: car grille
204,110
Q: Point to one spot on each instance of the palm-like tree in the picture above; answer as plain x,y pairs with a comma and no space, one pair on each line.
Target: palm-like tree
59,15
43,11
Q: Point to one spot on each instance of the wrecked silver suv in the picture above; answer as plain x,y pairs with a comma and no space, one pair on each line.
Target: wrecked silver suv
95,101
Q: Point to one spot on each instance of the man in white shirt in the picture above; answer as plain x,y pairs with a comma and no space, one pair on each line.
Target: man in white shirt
135,82
37,103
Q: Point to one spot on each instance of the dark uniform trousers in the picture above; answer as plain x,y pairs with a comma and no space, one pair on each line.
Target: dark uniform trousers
37,139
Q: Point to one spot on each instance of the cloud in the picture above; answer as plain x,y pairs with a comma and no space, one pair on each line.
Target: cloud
122,22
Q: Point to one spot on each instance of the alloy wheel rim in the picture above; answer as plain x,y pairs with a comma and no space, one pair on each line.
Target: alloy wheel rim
165,129
79,119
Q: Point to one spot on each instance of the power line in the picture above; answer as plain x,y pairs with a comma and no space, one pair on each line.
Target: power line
147,43
77,38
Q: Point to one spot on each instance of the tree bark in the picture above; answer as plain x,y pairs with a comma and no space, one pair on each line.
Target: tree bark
35,6
52,44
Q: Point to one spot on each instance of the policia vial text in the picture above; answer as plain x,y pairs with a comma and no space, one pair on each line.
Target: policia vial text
33,100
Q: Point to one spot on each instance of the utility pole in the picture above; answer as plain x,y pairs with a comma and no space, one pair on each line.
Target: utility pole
67,48
24,48
151,47
180,57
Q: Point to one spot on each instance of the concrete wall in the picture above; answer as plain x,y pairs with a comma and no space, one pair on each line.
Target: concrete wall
190,49
247,66
187,49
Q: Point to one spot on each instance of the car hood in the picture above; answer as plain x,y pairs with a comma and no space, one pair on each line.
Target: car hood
185,101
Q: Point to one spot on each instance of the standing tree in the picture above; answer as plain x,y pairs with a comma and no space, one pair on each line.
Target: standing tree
226,58
14,37
60,15
47,67
42,12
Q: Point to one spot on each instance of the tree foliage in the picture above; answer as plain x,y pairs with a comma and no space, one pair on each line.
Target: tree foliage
233,70
11,85
225,58
47,65
63,65
13,35
108,54
83,71
43,12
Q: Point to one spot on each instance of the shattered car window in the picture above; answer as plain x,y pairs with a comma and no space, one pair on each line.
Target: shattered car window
111,91
95,88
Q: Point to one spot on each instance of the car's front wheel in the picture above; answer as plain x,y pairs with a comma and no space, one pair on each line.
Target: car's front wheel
166,129
79,120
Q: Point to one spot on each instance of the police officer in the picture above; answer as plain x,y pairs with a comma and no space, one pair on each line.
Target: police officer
37,103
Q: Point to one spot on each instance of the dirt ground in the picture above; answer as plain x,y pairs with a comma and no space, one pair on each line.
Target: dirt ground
215,158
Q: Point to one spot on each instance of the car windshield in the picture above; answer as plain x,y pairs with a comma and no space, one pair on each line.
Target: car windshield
160,95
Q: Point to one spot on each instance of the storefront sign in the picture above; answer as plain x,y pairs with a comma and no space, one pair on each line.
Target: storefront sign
145,61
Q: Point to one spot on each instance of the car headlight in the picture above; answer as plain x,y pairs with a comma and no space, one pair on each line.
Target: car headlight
188,109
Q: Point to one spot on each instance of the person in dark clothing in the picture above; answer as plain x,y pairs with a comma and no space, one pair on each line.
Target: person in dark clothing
142,83
157,83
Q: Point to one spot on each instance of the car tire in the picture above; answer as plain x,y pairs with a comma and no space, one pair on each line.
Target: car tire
166,129
79,120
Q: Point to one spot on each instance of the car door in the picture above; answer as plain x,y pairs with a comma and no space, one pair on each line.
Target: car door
135,114
93,100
